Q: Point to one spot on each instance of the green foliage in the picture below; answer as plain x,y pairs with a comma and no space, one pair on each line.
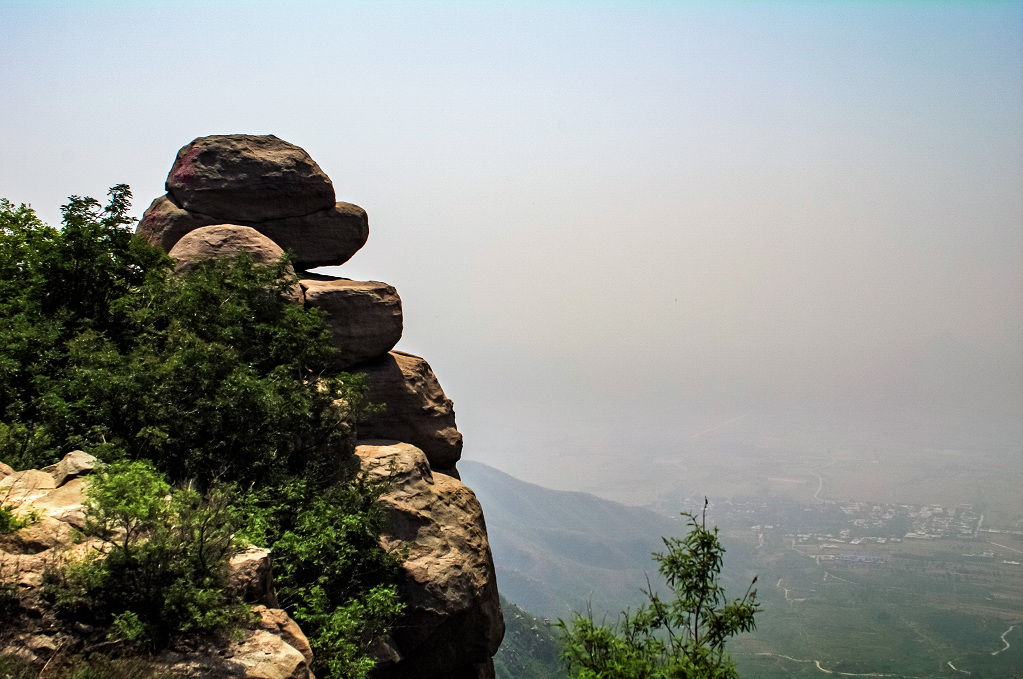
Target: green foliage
15,668
53,286
10,522
212,376
531,648
164,559
124,502
330,573
206,383
684,637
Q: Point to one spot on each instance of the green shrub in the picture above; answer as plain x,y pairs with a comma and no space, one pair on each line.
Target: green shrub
15,668
10,522
331,574
191,387
213,376
163,565
684,637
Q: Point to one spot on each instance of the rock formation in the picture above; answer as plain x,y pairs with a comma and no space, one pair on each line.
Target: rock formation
453,625
273,647
417,411
221,191
261,182
248,177
364,316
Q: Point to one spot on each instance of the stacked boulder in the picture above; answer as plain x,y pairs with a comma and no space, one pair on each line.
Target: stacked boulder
261,195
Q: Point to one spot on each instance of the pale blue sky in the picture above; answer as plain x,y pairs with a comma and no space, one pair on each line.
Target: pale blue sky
600,210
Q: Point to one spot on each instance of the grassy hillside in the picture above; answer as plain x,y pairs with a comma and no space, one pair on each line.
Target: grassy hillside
531,649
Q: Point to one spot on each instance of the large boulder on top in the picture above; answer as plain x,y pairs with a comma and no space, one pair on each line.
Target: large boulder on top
328,237
248,178
452,624
417,411
364,317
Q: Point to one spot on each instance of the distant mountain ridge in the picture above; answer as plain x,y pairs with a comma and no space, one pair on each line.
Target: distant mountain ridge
559,551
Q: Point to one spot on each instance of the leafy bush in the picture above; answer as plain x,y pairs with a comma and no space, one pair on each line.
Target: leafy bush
684,637
10,522
330,573
191,387
53,286
164,559
212,376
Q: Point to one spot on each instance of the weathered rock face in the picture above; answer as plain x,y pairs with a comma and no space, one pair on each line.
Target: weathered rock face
280,623
223,241
260,654
327,237
165,222
252,576
276,649
417,411
25,553
249,178
28,483
364,316
453,623
74,464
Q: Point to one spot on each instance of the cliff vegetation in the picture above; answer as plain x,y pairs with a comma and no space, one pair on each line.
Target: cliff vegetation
209,399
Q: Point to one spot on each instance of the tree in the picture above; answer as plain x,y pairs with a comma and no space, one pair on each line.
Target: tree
684,637
215,375
211,399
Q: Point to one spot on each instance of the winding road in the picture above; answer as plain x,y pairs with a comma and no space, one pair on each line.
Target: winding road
1007,644
820,479
817,664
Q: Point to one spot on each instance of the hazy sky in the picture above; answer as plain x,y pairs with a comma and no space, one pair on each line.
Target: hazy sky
604,219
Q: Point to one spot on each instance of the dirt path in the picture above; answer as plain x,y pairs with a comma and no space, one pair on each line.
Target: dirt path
835,577
1007,644
820,479
786,590
817,664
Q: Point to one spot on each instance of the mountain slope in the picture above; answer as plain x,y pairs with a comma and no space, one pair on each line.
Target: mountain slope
558,551
531,648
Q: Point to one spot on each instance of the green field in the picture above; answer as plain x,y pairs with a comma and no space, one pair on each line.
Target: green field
896,619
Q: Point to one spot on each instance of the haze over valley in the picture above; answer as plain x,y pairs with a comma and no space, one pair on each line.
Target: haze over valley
769,253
